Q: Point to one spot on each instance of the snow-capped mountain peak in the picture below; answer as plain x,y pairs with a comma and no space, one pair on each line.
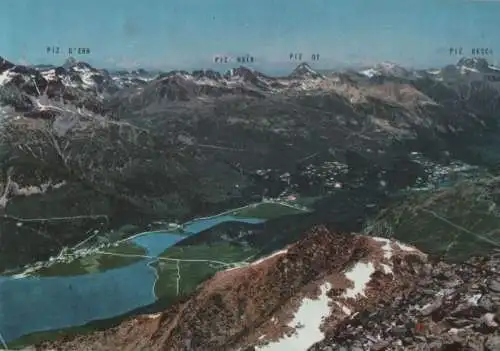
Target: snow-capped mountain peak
386,68
208,73
476,68
303,70
478,64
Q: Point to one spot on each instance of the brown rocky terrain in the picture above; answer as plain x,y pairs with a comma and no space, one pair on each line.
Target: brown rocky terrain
451,308
327,292
292,299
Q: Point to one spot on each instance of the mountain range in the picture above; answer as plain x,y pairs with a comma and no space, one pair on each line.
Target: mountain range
76,81
217,140
84,150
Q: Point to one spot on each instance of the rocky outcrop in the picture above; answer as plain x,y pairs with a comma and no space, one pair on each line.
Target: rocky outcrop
294,297
453,307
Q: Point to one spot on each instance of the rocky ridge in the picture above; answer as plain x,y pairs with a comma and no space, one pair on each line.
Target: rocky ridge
294,297
74,82
326,292
452,307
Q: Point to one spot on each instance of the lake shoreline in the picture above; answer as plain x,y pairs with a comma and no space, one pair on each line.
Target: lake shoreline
191,228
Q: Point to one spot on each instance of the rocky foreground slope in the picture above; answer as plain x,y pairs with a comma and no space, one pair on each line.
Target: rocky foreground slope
326,292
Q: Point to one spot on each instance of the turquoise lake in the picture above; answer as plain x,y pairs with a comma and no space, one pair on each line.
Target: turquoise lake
32,304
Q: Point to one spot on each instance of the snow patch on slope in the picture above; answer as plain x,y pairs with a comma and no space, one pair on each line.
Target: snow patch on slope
5,77
49,75
360,275
281,252
307,322
369,72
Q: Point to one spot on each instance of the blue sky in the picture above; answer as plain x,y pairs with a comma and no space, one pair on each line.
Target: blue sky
186,34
